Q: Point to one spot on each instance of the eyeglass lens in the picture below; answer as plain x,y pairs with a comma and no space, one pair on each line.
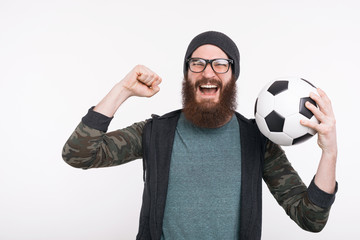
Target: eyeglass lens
218,65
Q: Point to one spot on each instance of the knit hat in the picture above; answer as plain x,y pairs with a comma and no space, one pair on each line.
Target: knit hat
220,40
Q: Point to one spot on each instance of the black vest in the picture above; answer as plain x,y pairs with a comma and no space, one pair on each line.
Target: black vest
158,138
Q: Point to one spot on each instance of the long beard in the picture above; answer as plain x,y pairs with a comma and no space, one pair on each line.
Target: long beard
208,114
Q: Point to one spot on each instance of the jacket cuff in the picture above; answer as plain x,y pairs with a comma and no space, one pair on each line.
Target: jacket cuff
319,197
96,120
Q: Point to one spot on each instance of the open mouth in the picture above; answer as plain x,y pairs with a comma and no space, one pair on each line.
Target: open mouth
208,89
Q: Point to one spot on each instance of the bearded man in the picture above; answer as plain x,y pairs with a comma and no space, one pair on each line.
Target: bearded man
203,164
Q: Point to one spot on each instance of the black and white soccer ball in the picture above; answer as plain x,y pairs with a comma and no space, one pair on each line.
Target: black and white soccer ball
279,108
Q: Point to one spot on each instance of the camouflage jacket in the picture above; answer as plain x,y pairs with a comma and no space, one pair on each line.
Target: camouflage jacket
309,207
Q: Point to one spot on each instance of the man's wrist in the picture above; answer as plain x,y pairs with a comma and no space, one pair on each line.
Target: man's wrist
96,120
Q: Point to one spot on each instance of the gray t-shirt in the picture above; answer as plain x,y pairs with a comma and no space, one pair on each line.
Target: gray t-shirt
203,198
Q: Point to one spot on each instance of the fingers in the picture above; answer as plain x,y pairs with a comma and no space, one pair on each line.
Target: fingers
142,81
323,113
155,84
322,101
147,77
316,111
310,124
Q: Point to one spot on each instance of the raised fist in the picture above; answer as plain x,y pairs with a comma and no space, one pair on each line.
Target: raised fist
142,82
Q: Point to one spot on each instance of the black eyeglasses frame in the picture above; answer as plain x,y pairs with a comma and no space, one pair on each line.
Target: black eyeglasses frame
209,61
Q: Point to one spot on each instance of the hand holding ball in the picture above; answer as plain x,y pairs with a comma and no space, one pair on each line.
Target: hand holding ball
279,108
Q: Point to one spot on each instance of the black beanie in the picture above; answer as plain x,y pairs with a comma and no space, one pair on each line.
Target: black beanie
220,40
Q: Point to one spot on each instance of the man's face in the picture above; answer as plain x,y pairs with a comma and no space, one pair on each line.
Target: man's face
209,98
208,84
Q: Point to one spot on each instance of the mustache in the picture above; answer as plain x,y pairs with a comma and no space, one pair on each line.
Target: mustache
211,81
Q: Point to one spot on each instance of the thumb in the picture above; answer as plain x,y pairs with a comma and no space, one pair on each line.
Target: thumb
155,85
155,89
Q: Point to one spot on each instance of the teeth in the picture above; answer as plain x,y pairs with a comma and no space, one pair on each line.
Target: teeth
208,86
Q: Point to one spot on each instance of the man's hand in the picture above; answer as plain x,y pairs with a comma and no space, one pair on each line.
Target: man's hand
325,177
141,81
327,127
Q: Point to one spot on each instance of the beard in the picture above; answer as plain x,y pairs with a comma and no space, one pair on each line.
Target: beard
209,114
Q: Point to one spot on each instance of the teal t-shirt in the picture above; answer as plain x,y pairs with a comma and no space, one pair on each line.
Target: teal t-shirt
203,198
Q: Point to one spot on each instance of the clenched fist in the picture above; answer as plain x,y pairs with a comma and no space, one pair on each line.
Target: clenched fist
142,82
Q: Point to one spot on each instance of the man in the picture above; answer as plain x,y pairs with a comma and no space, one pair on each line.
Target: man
204,164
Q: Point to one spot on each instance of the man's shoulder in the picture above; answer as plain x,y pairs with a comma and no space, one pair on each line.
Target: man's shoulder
168,115
245,120
164,125
248,124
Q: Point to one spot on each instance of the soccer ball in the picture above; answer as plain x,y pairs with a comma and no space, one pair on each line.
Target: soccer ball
279,108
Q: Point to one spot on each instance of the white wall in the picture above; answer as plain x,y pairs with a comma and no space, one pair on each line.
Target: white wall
58,58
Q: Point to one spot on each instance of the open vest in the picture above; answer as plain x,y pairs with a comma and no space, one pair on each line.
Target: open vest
158,138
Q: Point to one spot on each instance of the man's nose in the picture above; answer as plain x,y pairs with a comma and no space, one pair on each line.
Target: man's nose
208,71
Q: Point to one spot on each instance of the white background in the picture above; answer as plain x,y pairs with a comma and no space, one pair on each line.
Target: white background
58,58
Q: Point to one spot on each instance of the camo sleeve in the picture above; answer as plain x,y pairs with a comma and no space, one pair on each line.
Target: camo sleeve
88,147
309,206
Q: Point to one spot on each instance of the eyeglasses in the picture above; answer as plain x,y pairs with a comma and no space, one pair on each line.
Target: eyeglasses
219,65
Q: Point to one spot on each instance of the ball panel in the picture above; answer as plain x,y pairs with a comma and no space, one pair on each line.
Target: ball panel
301,88
275,122
280,138
278,87
292,126
286,103
265,103
260,121
304,110
302,139
255,108
308,82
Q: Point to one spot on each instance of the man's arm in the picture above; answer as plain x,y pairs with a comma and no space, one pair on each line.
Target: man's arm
90,146
140,81
309,206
